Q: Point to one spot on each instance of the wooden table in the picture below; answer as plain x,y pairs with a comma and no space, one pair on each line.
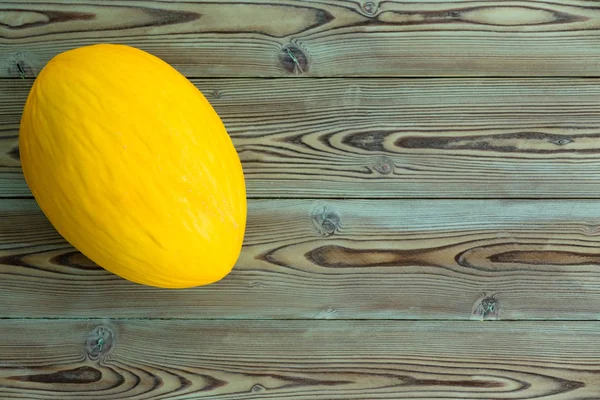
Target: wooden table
424,215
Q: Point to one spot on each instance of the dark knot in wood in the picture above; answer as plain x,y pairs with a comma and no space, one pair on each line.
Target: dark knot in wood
20,69
100,342
369,8
326,220
487,307
22,65
384,166
293,59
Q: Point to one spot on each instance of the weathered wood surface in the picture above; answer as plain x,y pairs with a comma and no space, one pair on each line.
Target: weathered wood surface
63,359
382,259
442,138
398,277
324,38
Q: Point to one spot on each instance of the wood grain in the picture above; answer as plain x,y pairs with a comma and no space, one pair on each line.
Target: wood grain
440,138
298,359
316,38
411,259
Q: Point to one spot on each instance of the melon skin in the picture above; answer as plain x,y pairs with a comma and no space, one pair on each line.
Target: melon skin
133,167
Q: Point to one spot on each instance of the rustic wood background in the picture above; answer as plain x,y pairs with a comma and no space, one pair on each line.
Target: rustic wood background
424,207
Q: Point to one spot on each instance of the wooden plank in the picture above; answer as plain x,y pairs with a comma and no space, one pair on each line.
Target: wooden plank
249,38
381,259
62,359
439,138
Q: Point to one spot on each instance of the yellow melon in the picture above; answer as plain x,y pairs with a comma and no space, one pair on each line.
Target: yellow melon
133,166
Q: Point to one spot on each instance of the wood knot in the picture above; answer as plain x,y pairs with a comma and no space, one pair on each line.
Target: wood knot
326,220
562,141
293,59
100,342
369,8
20,69
20,66
486,308
216,94
258,388
385,166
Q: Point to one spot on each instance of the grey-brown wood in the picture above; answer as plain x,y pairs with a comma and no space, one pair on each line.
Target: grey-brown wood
441,138
334,360
410,287
315,38
375,259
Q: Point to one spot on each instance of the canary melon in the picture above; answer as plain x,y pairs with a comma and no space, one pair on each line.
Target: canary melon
133,167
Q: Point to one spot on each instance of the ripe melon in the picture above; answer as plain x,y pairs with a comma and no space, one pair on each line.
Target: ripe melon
133,167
